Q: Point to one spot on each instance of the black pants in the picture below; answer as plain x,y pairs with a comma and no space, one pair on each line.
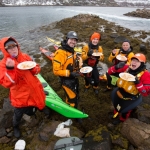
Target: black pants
18,113
94,76
125,105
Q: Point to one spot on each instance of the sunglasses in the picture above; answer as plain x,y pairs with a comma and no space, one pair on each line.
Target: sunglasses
10,46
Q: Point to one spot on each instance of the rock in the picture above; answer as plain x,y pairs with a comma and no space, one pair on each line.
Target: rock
142,13
4,140
120,142
5,120
148,68
114,35
131,147
142,48
143,113
119,39
43,136
2,132
90,143
137,132
7,106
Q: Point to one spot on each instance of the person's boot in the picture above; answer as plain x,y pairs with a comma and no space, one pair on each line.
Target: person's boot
95,88
17,132
107,89
86,88
46,111
125,116
116,121
96,91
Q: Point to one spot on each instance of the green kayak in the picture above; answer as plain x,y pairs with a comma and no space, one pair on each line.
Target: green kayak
54,102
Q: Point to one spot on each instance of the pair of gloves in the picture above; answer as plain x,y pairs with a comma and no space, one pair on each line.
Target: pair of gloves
122,64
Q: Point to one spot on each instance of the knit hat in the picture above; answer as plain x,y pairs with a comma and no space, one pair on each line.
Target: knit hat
126,40
95,35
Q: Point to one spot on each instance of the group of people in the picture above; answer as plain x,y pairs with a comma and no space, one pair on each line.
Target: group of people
23,84
126,95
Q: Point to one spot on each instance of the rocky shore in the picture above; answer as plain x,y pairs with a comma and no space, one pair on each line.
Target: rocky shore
142,13
97,131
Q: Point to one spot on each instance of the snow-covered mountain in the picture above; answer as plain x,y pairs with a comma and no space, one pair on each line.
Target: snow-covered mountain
61,2
77,2
133,2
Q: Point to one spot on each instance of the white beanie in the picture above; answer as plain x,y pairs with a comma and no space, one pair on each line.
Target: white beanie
20,145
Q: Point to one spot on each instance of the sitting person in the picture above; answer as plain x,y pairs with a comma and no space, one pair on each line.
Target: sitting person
92,61
128,94
126,51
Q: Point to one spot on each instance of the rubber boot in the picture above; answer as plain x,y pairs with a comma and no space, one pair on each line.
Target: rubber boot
17,132
86,88
107,89
115,119
125,116
95,89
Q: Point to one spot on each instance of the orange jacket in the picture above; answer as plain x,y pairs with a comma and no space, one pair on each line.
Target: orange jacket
25,88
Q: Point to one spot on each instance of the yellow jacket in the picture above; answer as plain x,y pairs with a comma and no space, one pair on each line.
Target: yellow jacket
86,49
64,63
112,57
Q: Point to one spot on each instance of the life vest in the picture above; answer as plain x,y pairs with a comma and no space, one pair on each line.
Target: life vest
129,86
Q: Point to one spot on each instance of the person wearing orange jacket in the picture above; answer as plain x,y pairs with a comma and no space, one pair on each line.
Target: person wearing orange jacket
127,51
92,61
26,91
130,88
66,65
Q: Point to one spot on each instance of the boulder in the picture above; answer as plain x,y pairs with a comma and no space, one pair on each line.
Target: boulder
137,132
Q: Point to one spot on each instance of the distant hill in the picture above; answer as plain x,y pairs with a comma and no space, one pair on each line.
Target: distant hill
145,3
61,2
105,3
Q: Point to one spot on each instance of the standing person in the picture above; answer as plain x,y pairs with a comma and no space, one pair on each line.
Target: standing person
127,51
92,61
26,91
128,94
66,67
